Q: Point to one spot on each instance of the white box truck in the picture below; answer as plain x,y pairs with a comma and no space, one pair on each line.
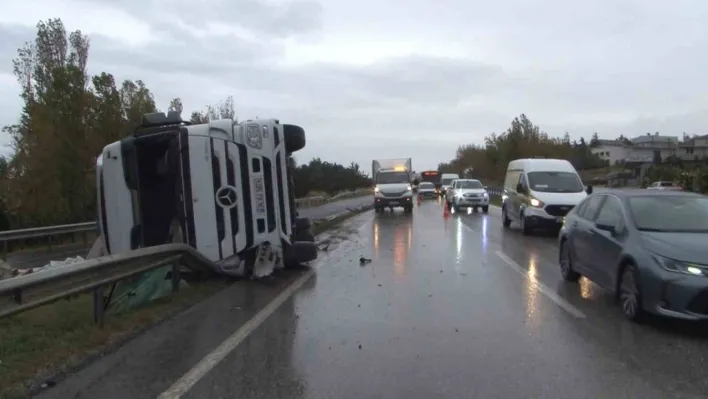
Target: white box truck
392,184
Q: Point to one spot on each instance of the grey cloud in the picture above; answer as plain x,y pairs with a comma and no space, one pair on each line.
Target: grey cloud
267,20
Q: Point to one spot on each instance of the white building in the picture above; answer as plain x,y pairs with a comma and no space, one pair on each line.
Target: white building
612,151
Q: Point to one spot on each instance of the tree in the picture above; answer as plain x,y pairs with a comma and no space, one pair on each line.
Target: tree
522,139
595,140
175,105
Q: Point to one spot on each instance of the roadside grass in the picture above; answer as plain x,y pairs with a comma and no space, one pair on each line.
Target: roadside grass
43,343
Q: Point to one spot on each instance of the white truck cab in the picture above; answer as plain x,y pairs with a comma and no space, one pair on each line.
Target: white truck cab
392,184
446,181
222,187
538,193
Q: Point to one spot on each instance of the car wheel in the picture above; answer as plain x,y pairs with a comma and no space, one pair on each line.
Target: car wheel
566,264
506,222
485,209
630,295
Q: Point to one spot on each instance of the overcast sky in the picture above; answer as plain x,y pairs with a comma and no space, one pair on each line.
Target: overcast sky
369,79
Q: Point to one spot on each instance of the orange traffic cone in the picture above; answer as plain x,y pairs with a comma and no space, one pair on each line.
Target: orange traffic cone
446,210
420,200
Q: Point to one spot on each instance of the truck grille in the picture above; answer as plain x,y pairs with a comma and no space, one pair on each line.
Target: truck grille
394,195
558,210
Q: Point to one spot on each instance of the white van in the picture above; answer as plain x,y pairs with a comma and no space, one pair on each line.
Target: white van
538,193
222,187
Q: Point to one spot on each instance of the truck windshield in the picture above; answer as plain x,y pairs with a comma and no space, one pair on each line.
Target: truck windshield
446,181
392,177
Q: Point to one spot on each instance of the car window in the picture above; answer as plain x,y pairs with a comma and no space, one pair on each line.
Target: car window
590,207
611,214
666,184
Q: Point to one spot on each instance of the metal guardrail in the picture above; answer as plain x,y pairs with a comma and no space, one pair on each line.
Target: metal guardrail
86,227
23,293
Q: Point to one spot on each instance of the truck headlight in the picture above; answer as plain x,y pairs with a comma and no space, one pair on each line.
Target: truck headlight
376,189
253,137
536,203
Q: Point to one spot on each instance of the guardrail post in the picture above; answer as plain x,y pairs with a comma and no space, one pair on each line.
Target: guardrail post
175,277
99,308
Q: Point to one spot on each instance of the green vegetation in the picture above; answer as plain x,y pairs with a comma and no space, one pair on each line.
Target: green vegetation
522,139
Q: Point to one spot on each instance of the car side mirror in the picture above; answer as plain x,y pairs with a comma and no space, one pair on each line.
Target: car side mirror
606,227
588,190
486,187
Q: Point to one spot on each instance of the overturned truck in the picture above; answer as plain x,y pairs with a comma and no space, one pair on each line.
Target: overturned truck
223,187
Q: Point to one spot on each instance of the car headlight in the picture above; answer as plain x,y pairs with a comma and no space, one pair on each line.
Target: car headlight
409,188
485,195
377,189
536,203
253,137
680,267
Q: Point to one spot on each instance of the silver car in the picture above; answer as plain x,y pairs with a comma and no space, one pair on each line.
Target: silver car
665,185
467,193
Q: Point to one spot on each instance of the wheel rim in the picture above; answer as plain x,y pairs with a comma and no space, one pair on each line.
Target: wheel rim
565,260
629,294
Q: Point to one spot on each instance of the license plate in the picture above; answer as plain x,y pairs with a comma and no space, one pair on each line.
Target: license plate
393,203
259,191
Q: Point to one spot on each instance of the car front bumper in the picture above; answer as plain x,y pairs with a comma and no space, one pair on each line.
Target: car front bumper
387,202
674,295
470,202
538,218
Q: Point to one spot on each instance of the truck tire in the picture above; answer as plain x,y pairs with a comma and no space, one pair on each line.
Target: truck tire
305,235
298,253
302,224
294,137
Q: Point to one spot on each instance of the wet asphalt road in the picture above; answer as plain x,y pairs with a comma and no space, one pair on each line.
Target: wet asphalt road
42,257
453,308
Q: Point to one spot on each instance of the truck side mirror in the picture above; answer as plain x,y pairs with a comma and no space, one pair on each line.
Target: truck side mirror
588,190
520,188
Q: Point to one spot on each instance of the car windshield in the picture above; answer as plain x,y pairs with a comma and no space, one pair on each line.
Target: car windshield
392,177
670,213
427,185
666,184
447,181
469,184
555,182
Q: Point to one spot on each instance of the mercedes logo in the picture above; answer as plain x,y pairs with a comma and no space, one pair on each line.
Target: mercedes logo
226,197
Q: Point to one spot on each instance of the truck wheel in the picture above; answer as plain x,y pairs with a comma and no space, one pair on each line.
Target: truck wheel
294,137
305,235
302,224
298,253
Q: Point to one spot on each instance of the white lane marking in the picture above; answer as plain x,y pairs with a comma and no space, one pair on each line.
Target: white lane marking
187,381
542,288
181,386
